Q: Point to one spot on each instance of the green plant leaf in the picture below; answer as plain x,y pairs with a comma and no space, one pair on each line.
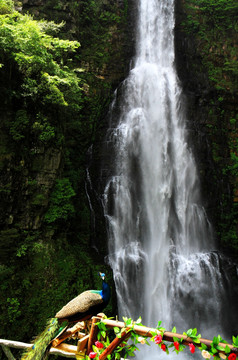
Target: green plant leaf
221,348
116,330
227,349
103,333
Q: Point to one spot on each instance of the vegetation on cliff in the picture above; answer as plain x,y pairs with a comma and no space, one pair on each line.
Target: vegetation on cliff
210,30
54,95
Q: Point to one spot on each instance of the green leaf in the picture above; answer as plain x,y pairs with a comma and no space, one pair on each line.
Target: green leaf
203,347
102,326
213,350
103,333
227,349
116,330
235,341
174,330
189,332
215,341
107,341
197,341
94,348
138,321
219,347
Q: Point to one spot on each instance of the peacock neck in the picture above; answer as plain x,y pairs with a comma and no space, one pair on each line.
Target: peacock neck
105,291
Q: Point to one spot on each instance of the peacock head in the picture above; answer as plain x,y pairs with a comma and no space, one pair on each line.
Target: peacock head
102,275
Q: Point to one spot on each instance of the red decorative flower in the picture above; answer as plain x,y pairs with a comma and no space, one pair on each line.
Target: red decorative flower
191,348
176,345
158,339
99,345
163,347
232,356
92,355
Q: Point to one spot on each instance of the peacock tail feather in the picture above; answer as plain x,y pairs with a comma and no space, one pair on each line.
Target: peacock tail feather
38,350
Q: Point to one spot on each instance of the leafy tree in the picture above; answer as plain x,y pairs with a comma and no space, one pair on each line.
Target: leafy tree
47,79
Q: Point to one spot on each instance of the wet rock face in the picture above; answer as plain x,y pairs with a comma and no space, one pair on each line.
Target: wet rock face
210,104
28,188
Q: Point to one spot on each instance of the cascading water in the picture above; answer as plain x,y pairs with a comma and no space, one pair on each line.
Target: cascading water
160,240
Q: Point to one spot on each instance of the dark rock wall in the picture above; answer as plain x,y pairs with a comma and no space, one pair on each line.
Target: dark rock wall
204,44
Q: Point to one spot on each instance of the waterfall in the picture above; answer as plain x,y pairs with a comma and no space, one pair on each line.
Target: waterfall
161,246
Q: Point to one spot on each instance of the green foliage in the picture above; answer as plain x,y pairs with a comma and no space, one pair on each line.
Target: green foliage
19,125
93,18
42,129
33,49
212,26
6,7
235,341
60,206
192,333
213,23
47,76
13,309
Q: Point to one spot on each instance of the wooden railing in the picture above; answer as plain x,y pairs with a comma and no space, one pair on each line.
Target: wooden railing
87,340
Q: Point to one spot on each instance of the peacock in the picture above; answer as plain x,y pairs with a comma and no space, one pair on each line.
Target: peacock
81,308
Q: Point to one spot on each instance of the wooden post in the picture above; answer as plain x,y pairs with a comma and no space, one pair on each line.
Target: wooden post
93,333
82,344
67,333
8,352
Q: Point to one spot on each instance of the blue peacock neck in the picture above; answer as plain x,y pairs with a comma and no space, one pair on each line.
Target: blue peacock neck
105,292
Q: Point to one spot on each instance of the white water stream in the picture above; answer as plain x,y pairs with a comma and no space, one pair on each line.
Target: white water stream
160,240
